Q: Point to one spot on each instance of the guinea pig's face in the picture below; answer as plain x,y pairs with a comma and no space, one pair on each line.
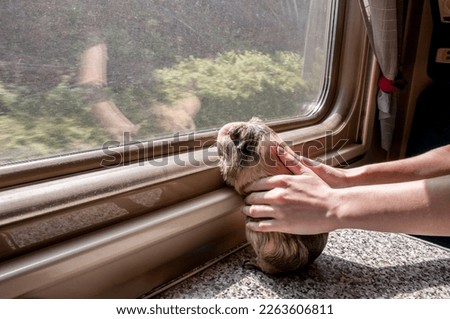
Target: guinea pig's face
239,146
247,151
238,143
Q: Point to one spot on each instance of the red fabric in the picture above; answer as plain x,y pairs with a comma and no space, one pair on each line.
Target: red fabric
386,85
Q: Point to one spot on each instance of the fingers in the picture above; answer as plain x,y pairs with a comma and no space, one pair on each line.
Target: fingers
289,159
267,213
268,218
266,183
259,211
293,162
257,198
269,225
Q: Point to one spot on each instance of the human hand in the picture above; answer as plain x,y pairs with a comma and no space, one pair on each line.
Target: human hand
334,177
298,204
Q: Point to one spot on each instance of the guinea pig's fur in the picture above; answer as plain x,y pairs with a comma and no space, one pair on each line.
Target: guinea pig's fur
248,151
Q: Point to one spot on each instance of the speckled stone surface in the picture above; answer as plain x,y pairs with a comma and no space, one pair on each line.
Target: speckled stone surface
355,264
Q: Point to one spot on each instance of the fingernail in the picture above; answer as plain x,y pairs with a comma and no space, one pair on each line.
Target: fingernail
310,162
248,197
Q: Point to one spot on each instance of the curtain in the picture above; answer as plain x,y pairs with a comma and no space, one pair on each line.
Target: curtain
381,20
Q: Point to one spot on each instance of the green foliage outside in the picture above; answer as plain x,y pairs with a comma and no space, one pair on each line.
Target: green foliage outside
232,86
237,86
55,121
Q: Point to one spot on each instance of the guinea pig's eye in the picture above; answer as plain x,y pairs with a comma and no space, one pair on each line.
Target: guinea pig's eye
219,149
248,153
235,138
247,148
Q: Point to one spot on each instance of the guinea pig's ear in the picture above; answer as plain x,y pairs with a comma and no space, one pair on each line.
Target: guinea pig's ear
219,149
256,120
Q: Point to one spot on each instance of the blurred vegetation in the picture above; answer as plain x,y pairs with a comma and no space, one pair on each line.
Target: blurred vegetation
237,85
53,122
241,59
231,86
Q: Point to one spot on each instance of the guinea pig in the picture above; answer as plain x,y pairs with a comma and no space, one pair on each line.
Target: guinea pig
247,152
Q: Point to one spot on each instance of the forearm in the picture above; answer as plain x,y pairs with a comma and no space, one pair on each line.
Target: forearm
415,207
431,164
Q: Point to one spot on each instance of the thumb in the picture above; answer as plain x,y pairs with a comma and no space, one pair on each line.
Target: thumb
289,159
296,164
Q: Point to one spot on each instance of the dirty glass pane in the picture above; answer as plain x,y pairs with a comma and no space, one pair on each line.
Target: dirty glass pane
75,74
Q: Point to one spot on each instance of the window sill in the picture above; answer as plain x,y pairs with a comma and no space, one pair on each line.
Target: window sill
182,237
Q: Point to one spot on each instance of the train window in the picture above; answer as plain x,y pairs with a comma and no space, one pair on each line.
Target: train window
76,75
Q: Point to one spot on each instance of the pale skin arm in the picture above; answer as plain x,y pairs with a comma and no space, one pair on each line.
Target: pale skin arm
409,196
431,164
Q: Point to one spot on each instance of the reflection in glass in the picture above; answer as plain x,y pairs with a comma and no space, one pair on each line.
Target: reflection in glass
77,73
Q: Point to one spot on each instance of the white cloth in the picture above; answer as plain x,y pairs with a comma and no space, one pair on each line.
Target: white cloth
380,18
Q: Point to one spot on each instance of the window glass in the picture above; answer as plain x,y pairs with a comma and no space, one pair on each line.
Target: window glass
75,74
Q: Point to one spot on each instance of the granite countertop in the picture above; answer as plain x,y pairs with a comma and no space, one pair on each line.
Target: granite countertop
355,264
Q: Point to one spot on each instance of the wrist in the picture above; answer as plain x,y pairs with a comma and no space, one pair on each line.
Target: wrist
356,176
351,207
337,209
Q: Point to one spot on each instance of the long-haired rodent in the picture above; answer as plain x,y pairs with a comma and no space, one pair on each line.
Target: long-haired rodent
247,152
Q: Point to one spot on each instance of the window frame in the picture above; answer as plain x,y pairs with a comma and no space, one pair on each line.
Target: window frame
37,191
